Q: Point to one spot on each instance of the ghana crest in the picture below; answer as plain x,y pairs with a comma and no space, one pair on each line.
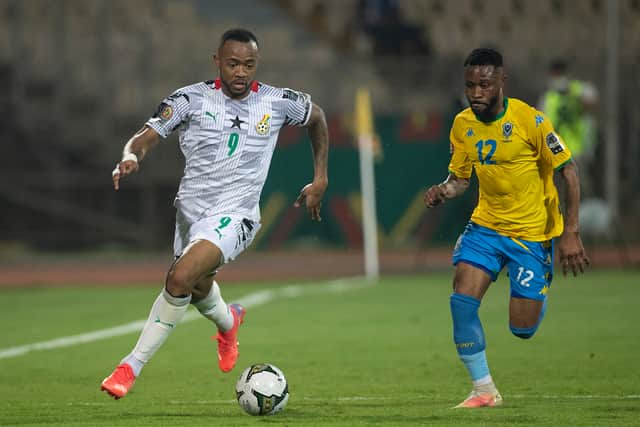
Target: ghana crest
263,125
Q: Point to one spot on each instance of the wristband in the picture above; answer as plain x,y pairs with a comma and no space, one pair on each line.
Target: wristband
129,156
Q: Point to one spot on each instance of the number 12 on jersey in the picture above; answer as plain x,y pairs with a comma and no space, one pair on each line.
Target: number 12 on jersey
486,160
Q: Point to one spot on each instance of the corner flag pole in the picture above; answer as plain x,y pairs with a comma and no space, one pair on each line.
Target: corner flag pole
612,124
364,131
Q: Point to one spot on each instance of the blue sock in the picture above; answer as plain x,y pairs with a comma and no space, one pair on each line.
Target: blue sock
468,335
477,366
526,333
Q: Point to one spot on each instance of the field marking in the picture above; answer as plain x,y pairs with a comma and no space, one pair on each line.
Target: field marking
415,398
515,396
411,398
251,300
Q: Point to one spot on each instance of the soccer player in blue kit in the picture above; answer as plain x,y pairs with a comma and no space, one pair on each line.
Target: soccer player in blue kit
515,153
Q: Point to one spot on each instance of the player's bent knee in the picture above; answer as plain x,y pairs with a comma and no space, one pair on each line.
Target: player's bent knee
524,333
178,282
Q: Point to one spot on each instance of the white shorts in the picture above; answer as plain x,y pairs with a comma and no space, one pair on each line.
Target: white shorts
231,233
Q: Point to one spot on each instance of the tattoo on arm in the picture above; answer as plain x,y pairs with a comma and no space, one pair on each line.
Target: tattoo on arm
454,186
319,136
571,183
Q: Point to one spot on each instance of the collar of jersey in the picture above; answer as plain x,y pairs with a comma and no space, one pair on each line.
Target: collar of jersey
505,103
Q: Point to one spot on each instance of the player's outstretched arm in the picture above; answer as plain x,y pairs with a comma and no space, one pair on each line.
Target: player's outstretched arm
319,134
133,152
570,249
450,188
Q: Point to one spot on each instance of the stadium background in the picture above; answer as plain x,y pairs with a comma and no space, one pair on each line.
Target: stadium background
78,77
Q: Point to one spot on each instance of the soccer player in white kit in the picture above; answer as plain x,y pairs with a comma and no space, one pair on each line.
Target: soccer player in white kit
228,130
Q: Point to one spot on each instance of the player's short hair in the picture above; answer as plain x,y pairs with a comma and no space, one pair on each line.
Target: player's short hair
484,56
239,35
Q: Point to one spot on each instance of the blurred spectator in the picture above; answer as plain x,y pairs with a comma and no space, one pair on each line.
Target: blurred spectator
317,18
569,104
390,34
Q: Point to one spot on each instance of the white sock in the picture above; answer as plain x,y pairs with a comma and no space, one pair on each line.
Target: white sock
485,385
215,309
165,314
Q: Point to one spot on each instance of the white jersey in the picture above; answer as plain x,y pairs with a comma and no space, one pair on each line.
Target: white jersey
227,144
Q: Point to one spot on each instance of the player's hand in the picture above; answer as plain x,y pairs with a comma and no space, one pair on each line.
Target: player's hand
123,169
312,195
572,254
434,196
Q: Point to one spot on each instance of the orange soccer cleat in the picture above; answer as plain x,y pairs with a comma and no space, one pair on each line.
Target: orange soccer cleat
119,382
479,399
228,341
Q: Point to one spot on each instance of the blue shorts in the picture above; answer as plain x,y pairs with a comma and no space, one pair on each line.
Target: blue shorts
530,264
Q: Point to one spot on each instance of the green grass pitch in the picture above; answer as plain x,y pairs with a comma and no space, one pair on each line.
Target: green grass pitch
368,355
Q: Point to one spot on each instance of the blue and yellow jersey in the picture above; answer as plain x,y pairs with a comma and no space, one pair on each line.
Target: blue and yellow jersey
514,157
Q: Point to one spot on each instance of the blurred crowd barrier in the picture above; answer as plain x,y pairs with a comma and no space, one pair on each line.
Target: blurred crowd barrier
78,77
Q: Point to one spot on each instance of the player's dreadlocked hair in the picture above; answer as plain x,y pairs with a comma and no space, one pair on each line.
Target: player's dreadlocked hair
484,56
239,35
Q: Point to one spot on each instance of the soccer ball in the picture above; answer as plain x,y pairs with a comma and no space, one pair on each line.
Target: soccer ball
262,389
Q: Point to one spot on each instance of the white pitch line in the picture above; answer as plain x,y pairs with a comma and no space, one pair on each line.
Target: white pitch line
416,398
581,397
507,397
252,300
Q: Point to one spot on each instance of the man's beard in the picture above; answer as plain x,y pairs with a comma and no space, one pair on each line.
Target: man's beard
488,113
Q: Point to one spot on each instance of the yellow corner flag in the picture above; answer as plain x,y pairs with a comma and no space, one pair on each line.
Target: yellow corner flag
363,115
363,125
369,151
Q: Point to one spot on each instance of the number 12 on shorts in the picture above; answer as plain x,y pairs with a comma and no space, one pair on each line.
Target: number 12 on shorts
524,276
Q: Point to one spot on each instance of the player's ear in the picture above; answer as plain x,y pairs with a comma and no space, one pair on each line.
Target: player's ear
216,60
